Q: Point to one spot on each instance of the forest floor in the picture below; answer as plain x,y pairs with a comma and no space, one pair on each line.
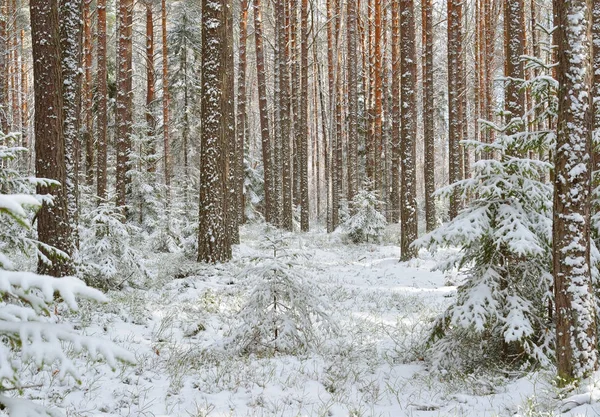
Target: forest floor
374,366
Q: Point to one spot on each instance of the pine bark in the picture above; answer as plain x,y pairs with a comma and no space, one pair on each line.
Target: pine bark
71,15
165,100
53,224
303,133
454,101
264,113
352,79
88,133
102,122
214,244
574,296
514,49
395,145
285,104
124,111
408,130
241,110
150,88
428,112
4,67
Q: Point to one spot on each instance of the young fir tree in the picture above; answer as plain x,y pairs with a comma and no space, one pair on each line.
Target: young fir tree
366,222
505,237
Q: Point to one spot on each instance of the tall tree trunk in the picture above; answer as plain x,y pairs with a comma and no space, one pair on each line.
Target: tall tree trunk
4,67
24,102
165,100
230,139
575,301
150,88
408,130
124,111
378,99
102,121
241,109
303,134
264,114
70,18
54,226
455,128
596,88
352,79
286,201
428,110
88,93
214,244
514,49
395,177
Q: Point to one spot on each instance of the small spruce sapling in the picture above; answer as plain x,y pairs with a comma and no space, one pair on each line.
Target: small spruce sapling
365,222
504,235
108,258
281,314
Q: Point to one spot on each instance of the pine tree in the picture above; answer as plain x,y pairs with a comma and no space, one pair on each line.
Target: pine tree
214,244
575,306
408,130
53,224
101,80
428,110
124,110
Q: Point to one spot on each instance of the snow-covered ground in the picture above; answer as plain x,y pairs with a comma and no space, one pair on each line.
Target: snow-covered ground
374,365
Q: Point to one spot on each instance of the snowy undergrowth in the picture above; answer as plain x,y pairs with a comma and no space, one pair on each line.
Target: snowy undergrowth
375,365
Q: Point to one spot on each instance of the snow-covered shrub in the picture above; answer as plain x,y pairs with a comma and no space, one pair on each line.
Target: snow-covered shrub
29,331
365,222
504,235
281,313
108,258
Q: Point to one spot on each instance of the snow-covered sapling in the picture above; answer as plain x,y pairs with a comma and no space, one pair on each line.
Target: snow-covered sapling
366,222
282,312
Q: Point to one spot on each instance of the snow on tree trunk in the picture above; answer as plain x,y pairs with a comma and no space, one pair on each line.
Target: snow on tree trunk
101,81
3,67
575,303
428,109
213,242
352,74
124,111
264,113
408,130
54,226
70,18
303,133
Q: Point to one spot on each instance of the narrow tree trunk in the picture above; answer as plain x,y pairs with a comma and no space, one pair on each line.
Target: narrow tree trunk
408,130
395,177
4,67
70,14
575,301
88,93
150,89
264,113
454,128
514,49
165,100
102,104
54,226
286,212
241,109
123,115
303,134
352,79
428,111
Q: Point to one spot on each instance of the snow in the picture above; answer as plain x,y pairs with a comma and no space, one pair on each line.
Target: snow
374,364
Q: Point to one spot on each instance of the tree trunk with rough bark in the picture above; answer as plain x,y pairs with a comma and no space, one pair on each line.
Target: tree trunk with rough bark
576,332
